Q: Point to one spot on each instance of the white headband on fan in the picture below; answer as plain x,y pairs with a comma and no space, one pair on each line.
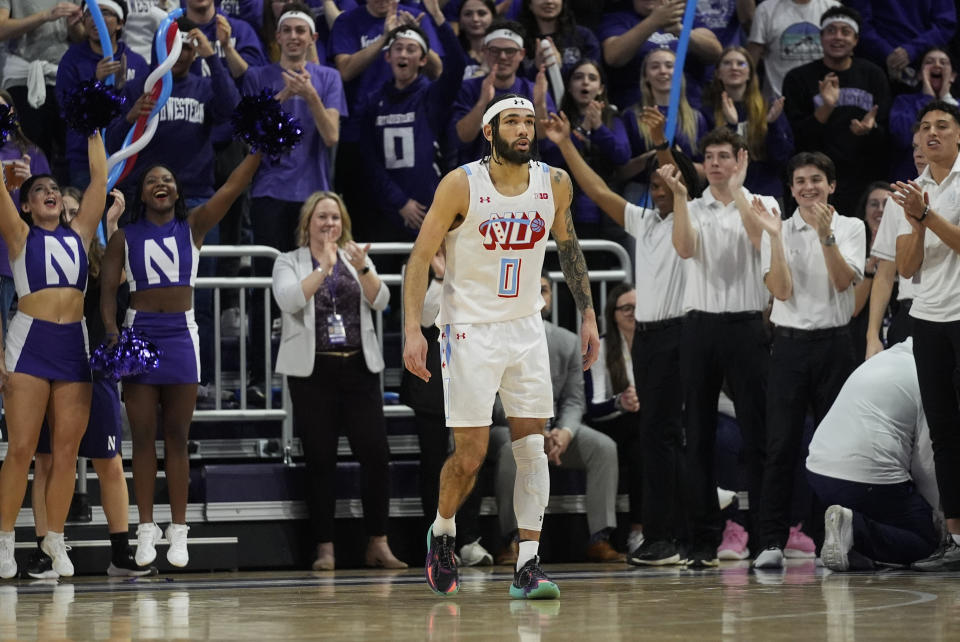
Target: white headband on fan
112,6
513,36
850,22
410,34
504,105
306,17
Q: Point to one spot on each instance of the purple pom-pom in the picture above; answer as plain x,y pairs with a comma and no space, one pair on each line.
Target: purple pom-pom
92,106
133,354
8,121
259,121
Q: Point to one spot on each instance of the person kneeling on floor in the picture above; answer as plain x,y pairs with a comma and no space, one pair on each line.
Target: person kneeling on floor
871,462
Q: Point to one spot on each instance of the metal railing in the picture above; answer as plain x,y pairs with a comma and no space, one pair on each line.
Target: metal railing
289,446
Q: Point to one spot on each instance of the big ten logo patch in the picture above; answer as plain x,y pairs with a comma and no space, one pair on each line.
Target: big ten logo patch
513,230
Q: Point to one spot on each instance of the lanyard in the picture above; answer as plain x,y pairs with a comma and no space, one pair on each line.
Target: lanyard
332,284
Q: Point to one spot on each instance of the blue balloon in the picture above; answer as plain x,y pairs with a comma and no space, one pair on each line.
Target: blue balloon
674,108
102,32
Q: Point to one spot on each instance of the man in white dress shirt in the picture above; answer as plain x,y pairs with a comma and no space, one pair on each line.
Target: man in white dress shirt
928,249
659,280
884,248
810,262
723,336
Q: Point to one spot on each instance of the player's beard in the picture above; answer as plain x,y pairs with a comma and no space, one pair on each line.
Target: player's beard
504,151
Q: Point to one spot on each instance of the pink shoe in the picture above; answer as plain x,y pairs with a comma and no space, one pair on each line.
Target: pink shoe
799,545
734,544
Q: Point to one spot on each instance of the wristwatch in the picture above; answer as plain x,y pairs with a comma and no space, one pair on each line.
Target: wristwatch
366,268
829,240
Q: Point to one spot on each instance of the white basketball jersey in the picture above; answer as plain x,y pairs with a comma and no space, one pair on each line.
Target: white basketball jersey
495,256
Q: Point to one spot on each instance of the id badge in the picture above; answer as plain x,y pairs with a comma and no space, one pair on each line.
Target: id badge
336,333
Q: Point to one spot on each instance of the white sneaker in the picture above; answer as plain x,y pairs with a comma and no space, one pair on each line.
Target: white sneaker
771,557
177,537
474,554
634,541
54,546
147,537
8,565
838,538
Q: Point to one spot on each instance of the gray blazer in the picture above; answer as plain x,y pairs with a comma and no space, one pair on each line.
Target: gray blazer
298,337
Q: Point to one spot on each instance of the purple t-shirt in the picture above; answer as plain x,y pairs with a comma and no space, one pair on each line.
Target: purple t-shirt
38,165
294,176
354,30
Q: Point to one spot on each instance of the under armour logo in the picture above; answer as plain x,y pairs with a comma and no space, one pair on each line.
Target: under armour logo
484,199
517,101
461,335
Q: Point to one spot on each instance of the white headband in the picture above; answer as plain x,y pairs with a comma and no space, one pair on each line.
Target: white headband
844,19
513,36
112,6
410,34
504,105
306,17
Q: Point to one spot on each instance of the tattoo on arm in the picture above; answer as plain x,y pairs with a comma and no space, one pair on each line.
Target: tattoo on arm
574,266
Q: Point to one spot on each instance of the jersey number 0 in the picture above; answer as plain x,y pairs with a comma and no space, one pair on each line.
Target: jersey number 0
509,278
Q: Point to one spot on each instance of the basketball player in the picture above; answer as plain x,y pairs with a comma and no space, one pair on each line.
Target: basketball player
492,216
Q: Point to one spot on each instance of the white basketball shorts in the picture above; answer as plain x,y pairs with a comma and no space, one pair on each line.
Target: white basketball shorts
478,360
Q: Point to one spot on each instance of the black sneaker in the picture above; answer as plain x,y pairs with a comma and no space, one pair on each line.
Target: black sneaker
40,566
946,558
127,567
443,577
655,553
703,558
531,583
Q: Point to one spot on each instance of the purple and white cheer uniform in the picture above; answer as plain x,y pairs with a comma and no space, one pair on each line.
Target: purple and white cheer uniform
54,351
160,256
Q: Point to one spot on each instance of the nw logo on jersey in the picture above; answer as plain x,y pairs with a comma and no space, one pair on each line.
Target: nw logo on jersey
512,232
158,261
61,260
112,443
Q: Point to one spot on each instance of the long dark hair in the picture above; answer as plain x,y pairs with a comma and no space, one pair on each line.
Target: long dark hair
25,196
462,37
569,106
20,139
566,25
139,208
616,366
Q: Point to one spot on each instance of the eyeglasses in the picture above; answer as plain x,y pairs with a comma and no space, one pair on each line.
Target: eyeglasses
626,309
509,52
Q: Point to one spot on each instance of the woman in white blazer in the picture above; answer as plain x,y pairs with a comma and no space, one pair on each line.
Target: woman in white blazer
329,351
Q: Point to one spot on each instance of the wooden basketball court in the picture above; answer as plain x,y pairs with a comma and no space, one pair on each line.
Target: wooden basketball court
598,602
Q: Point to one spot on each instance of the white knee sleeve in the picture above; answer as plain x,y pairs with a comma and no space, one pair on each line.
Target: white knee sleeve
531,489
